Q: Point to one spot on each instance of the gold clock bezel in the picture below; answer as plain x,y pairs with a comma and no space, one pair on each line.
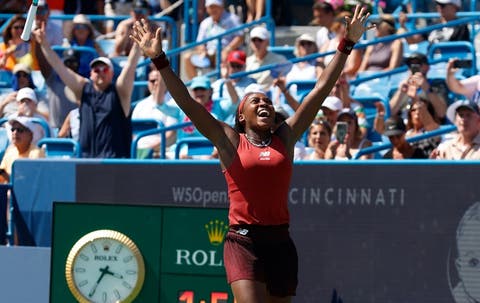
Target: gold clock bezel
104,234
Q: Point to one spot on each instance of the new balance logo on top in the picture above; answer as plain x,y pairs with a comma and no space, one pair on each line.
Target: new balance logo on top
264,155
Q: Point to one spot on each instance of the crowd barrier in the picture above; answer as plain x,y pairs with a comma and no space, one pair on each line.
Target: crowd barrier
377,231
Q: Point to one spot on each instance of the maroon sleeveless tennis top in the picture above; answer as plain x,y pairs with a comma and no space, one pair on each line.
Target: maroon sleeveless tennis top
258,182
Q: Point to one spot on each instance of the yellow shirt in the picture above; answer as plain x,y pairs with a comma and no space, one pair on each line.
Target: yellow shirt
12,154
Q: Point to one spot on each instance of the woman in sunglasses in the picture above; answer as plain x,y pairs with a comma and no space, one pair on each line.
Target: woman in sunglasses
13,49
256,158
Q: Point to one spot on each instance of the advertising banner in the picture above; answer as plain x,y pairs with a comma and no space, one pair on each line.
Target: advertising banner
373,231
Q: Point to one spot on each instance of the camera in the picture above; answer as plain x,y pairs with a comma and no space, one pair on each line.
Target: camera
414,68
466,63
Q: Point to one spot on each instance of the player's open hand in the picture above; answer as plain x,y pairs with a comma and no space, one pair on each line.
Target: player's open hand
356,24
149,40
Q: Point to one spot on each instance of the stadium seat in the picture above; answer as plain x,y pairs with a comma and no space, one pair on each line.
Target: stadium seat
286,51
197,146
60,147
5,79
107,45
444,51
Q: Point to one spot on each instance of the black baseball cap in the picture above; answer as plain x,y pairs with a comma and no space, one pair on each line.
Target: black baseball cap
394,127
416,58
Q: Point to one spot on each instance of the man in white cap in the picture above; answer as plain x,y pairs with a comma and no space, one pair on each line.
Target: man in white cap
259,40
466,144
23,132
217,22
105,128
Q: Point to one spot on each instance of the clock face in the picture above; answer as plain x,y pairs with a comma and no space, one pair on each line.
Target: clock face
105,266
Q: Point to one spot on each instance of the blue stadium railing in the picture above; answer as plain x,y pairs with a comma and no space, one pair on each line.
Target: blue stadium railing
444,129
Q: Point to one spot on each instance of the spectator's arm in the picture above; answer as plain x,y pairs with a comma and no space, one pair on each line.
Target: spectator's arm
120,39
397,54
126,78
366,58
64,131
453,83
399,98
74,81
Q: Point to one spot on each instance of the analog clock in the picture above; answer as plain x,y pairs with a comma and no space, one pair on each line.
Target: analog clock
105,266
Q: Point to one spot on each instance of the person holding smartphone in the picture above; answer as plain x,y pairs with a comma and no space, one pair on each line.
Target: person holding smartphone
256,157
348,138
470,87
417,83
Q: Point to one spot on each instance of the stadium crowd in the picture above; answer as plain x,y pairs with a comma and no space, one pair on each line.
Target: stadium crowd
78,79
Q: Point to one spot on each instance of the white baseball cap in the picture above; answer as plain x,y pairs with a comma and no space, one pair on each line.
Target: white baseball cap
103,60
457,3
35,128
213,2
27,93
333,103
259,32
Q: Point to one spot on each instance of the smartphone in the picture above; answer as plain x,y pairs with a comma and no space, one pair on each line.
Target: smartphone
341,131
466,63
415,68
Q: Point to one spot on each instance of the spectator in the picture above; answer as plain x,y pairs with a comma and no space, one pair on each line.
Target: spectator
383,56
255,9
417,83
448,12
353,141
71,126
323,16
123,44
201,91
354,60
421,119
83,34
85,7
305,70
13,49
155,107
114,8
341,90
105,128
395,131
53,29
23,131
466,144
259,40
13,6
27,106
331,107
470,87
229,89
60,98
22,77
319,135
216,23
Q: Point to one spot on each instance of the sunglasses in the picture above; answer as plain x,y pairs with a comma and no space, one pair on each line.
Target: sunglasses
19,130
236,65
25,100
101,69
21,75
142,11
17,27
306,43
80,26
255,40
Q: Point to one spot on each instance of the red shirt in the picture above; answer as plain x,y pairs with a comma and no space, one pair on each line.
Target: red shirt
258,182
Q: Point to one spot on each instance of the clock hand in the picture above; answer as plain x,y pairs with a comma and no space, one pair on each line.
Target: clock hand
119,276
94,288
